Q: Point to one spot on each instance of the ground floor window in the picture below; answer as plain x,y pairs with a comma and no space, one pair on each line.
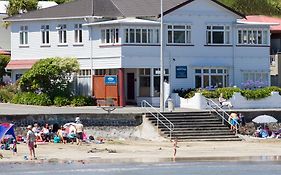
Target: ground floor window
150,78
106,72
211,78
84,72
254,79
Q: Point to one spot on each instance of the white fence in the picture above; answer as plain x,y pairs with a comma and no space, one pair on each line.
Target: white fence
237,101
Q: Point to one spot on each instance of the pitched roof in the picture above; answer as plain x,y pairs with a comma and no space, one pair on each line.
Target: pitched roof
266,19
107,8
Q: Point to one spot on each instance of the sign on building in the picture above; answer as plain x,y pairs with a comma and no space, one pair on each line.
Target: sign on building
181,71
110,80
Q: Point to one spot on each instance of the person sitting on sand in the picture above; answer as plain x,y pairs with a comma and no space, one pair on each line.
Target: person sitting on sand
62,134
14,147
45,133
71,136
36,129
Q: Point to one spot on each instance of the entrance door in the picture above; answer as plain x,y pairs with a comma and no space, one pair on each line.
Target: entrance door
130,87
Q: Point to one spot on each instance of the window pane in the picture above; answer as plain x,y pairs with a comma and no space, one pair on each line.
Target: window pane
138,35
188,37
213,71
220,71
107,36
218,37
132,35
259,37
116,35
156,86
127,36
239,37
218,27
206,81
206,71
170,37
198,71
245,37
198,81
179,27
144,35
179,36
265,37
217,81
144,86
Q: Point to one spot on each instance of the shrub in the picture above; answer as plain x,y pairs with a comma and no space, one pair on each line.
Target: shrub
256,94
79,101
29,98
90,101
227,92
210,94
51,76
7,93
185,93
61,101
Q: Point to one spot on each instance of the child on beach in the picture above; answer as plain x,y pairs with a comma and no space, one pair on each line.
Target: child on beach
14,147
175,146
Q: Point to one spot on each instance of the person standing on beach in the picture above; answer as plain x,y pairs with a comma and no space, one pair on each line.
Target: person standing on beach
175,146
79,131
30,140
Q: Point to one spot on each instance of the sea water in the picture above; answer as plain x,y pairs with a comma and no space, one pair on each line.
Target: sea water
216,166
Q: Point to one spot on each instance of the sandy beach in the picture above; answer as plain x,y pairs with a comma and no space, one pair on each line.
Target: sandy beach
149,151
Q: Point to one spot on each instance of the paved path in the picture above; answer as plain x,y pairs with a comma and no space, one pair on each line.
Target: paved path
15,109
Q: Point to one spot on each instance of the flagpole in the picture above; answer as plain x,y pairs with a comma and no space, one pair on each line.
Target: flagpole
162,103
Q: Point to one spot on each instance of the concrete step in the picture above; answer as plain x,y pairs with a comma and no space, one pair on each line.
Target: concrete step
216,131
175,120
206,137
203,125
210,139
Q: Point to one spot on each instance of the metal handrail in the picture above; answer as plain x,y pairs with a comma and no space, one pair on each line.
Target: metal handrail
218,109
171,126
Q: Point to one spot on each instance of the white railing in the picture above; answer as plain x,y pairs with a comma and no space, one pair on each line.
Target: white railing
159,116
221,112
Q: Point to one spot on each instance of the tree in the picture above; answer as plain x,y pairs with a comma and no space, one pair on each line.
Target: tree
19,6
4,60
51,76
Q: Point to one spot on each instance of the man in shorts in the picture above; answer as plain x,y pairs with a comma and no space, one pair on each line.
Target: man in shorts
30,140
79,131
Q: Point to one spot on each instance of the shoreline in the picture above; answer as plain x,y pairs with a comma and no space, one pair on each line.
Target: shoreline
140,151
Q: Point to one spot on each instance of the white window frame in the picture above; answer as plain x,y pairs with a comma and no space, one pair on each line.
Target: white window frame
110,36
78,34
45,34
172,28
211,28
209,73
256,75
253,36
23,32
131,35
62,34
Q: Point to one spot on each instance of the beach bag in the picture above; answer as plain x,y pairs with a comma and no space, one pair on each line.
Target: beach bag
56,139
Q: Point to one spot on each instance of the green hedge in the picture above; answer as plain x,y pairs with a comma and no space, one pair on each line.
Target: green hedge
229,91
30,98
61,101
79,101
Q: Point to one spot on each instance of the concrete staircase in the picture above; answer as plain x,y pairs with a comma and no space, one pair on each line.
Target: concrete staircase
195,126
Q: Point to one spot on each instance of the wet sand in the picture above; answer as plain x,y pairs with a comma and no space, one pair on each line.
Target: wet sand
149,151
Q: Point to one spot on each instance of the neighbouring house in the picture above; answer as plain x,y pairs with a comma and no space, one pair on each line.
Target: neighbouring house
275,46
5,33
117,43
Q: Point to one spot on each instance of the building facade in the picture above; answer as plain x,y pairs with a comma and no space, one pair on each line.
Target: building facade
206,45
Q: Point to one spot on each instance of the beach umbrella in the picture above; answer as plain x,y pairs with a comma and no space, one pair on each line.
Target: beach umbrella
264,119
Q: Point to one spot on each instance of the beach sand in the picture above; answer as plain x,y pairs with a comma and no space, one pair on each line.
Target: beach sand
148,151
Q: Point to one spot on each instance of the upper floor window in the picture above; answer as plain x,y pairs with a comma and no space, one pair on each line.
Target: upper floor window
141,35
179,34
45,31
110,36
23,35
62,33
218,34
78,33
252,37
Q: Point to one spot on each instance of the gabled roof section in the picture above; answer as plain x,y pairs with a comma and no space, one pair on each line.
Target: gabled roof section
108,8
189,1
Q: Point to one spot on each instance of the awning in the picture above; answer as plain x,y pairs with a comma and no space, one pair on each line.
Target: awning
4,52
20,64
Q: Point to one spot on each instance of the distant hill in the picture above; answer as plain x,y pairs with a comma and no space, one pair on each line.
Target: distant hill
255,7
